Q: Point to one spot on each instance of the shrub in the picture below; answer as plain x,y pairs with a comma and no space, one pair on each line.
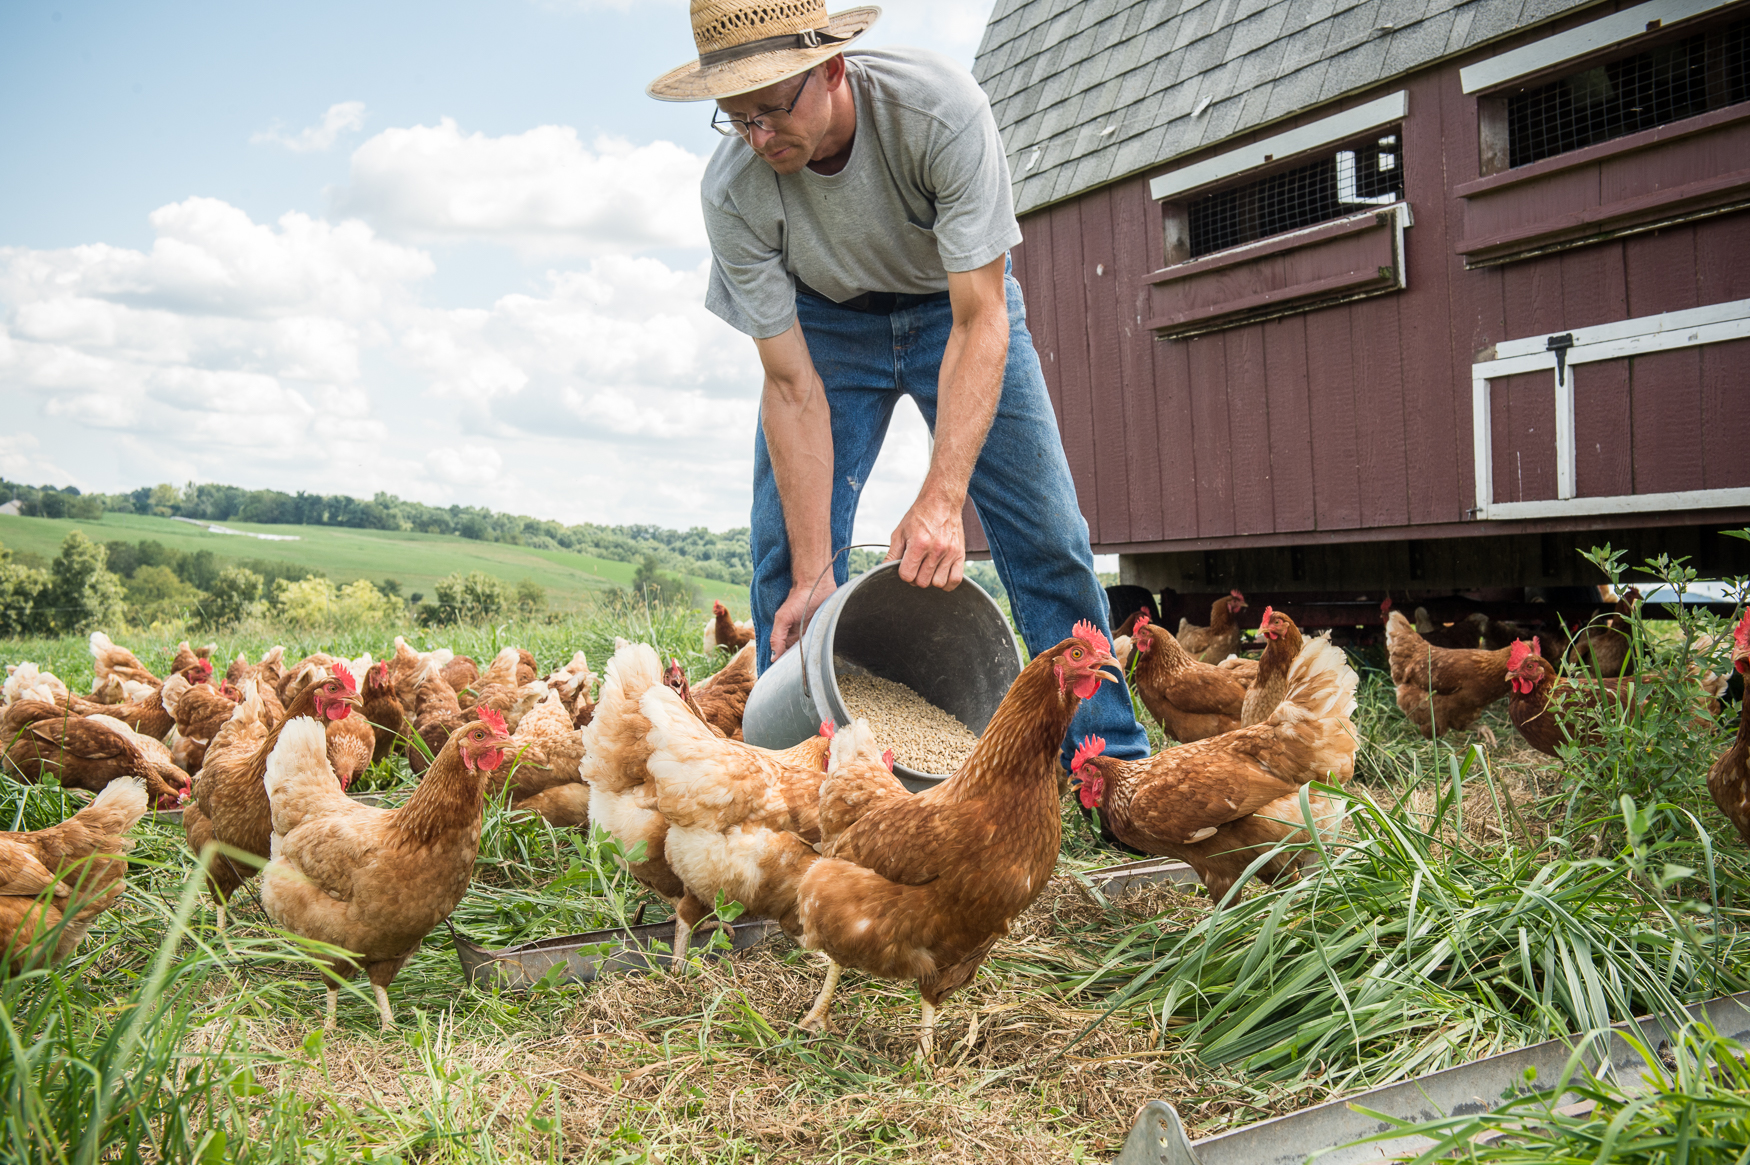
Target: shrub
531,597
235,595
155,594
654,587
84,593
24,598
316,601
472,598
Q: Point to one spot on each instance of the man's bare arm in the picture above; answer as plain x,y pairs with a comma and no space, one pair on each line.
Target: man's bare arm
930,541
798,428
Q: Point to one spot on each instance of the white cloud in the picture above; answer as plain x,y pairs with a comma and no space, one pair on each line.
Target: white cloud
541,191
468,465
344,116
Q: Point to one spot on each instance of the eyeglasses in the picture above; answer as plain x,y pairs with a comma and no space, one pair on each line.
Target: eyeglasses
764,122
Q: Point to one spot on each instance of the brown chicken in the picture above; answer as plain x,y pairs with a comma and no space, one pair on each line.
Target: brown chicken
1442,689
373,881
544,777
1190,700
496,687
157,757
573,683
230,804
1729,778
436,716
43,739
1467,632
186,657
1603,649
404,668
722,697
1548,711
734,811
26,681
461,673
109,658
921,887
1282,644
1223,802
54,882
622,794
1221,638
722,631
383,712
199,710
147,715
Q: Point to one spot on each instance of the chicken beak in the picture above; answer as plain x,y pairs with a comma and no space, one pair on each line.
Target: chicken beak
1110,669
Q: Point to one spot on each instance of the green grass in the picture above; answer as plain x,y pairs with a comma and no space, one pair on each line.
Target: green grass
161,1042
417,561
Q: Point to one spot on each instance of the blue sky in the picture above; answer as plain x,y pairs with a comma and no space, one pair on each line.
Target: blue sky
447,250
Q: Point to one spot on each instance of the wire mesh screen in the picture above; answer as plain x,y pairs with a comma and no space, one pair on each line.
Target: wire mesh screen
1329,188
1662,85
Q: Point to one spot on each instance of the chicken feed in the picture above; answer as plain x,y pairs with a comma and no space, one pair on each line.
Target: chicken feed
923,737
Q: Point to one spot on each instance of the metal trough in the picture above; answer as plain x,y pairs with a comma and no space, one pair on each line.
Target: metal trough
590,955
382,799
1158,1137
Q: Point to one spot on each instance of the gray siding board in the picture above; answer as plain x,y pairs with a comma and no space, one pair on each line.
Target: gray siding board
1058,71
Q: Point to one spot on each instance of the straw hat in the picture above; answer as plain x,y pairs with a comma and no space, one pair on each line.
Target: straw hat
748,44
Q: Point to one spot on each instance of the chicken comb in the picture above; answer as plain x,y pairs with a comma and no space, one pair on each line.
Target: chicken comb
1091,746
717,608
887,759
1741,634
1385,605
345,677
1265,621
381,672
1235,594
1090,635
1142,620
827,728
492,720
1519,653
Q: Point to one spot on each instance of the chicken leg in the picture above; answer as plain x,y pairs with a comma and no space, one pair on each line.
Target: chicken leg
927,1041
382,993
815,1020
333,1000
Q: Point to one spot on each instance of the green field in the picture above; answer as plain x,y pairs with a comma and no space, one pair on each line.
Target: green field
417,561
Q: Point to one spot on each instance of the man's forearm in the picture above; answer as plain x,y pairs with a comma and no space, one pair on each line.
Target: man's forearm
971,385
798,428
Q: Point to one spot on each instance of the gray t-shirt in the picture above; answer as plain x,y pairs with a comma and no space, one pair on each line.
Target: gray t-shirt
925,192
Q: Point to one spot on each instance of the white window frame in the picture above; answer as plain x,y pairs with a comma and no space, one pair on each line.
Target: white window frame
1578,42
1327,131
1712,324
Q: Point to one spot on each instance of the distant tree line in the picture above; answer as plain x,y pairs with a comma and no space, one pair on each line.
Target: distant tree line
722,556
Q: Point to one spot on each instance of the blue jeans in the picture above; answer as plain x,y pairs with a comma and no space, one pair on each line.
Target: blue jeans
1021,486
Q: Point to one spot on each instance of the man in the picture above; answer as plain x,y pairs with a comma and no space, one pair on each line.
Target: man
860,219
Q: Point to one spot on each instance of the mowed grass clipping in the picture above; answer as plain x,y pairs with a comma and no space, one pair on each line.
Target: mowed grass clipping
163,1042
415,560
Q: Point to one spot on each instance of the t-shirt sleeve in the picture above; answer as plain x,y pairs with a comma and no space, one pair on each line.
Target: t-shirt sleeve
975,207
749,288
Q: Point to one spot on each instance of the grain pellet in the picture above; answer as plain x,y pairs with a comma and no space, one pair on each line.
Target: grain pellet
922,736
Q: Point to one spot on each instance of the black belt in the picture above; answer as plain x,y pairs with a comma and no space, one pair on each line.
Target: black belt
875,303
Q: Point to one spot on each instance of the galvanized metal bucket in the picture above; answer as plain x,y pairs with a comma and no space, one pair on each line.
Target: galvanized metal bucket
953,648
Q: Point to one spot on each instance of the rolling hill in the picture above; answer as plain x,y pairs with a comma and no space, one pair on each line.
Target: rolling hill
417,561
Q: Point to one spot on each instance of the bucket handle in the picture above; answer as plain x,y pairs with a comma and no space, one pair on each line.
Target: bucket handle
807,613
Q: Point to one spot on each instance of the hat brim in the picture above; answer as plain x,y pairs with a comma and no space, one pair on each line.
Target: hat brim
696,82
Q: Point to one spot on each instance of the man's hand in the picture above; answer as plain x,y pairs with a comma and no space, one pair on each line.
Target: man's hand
787,626
930,543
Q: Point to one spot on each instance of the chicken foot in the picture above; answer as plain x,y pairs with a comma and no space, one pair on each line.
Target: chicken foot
815,1020
382,993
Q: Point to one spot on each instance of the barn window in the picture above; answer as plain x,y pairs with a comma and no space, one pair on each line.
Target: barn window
1661,85
1342,182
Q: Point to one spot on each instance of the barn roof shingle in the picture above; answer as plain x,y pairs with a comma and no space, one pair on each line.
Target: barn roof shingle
1086,91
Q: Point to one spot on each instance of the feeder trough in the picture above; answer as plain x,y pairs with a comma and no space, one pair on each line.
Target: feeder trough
379,799
953,648
591,954
1158,1136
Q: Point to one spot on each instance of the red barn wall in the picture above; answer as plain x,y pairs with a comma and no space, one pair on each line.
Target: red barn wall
1355,420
